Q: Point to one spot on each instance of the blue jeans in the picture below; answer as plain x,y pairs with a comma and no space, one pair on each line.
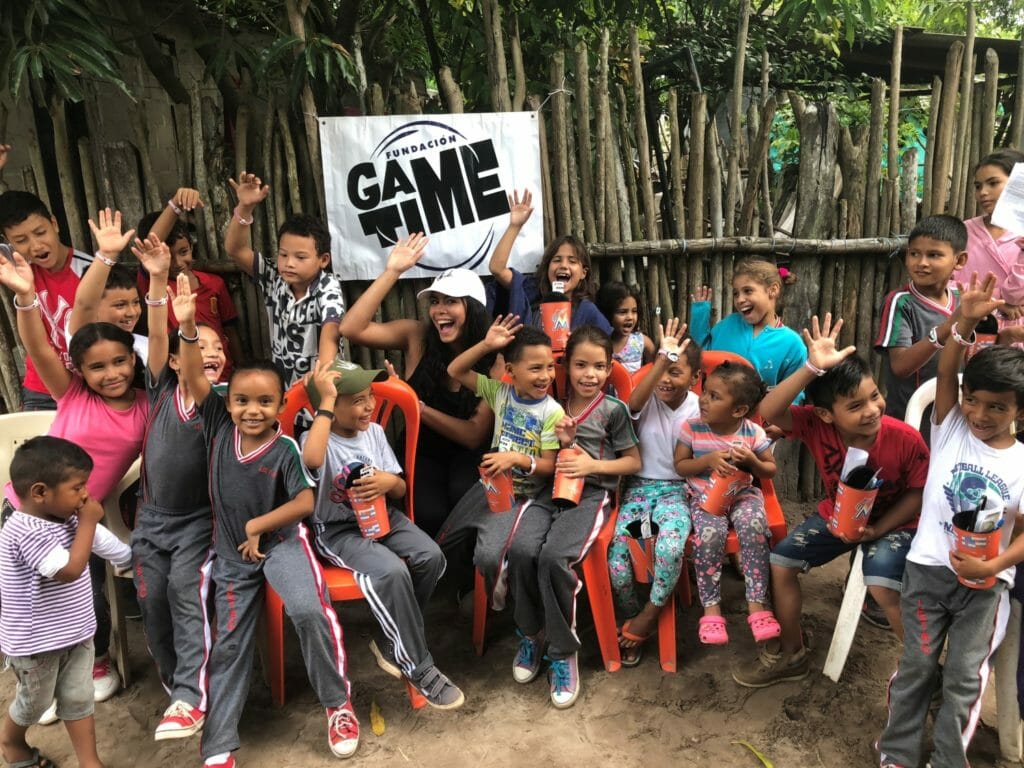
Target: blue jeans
811,544
37,401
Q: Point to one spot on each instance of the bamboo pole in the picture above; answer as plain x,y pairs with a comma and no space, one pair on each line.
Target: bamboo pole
277,191
38,170
695,172
583,144
929,156
626,209
1017,126
989,102
732,187
767,214
713,182
603,161
892,161
612,200
676,162
557,147
630,187
944,137
874,164
960,139
643,145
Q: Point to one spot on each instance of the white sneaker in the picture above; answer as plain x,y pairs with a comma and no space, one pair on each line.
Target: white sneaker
180,720
49,717
105,680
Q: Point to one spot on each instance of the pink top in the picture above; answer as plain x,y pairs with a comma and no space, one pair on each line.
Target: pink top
1002,257
112,438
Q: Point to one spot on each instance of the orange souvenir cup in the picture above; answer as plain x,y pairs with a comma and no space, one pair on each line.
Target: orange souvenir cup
567,490
372,517
556,319
983,545
498,487
852,511
983,340
722,490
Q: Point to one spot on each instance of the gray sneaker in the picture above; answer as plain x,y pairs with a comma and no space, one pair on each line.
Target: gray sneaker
385,655
438,690
771,667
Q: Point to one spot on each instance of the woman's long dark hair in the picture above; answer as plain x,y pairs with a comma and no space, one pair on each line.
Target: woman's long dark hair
437,355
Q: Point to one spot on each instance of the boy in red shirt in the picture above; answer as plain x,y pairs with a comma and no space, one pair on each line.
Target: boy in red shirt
29,227
848,411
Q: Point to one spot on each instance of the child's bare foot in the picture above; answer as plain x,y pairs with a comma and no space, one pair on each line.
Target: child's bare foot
638,629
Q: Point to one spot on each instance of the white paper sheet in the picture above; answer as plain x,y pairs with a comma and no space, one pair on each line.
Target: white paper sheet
1009,210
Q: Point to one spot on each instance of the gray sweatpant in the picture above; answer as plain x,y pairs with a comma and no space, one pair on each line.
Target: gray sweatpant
172,553
937,610
397,573
493,533
292,570
547,544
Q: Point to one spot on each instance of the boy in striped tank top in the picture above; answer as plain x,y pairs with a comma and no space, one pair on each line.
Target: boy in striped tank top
47,620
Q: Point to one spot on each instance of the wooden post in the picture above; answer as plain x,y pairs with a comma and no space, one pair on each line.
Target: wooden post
643,147
851,165
545,170
767,214
695,172
989,101
756,160
267,169
944,139
676,162
874,165
732,187
583,143
892,161
92,203
557,147
575,203
713,164
1017,126
65,170
518,71
973,152
960,139
291,164
603,159
929,157
630,223
908,188
199,171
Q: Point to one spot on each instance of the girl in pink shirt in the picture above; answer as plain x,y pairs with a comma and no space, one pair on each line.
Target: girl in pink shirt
97,406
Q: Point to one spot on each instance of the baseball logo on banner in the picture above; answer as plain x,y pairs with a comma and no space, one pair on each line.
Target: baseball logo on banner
448,176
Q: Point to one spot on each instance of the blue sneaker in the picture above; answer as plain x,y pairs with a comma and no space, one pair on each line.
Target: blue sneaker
526,666
564,676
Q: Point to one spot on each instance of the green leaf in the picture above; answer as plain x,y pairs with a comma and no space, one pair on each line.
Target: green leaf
757,753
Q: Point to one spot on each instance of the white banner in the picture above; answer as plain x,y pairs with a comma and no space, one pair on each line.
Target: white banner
446,175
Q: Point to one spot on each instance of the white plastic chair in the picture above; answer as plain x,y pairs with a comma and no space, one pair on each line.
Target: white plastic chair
16,428
856,590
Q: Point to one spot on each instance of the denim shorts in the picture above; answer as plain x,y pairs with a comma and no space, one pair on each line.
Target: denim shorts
65,675
811,544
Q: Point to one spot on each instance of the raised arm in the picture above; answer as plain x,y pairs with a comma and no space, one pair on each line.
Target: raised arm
110,242
184,200
314,450
519,213
17,275
188,350
976,302
671,335
358,325
237,241
499,336
155,257
821,355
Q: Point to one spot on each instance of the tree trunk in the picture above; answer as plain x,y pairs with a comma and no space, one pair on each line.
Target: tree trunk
1017,132
497,70
518,70
558,147
643,147
732,187
756,159
296,10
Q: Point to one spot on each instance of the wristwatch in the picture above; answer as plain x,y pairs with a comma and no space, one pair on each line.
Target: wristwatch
673,357
933,337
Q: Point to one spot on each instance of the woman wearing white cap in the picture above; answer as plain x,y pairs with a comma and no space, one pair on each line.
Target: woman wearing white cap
455,423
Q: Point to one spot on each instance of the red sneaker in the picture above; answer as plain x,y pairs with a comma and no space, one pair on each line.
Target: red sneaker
218,761
179,721
342,730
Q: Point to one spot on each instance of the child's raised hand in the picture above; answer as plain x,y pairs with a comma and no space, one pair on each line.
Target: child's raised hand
671,336
110,240
407,252
16,274
184,301
821,343
153,254
565,430
249,189
187,199
701,294
976,300
520,209
324,380
501,333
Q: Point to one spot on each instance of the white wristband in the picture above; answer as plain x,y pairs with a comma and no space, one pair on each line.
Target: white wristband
105,260
819,372
174,207
955,333
30,307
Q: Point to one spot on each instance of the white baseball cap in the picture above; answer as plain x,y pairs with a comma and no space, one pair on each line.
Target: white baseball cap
458,283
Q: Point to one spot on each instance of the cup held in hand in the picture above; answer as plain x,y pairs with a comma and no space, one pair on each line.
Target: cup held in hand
721,491
371,516
567,490
983,545
852,511
500,495
556,319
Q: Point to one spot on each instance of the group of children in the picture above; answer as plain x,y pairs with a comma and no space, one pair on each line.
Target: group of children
230,502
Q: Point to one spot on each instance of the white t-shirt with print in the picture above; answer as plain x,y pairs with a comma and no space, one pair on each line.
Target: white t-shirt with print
658,429
963,470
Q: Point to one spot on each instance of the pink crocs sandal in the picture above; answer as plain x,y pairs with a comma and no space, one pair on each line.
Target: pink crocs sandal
711,630
764,625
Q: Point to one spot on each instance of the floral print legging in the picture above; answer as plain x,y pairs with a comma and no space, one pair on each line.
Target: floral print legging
709,533
663,501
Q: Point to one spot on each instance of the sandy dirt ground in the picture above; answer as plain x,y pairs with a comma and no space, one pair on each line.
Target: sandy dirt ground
640,716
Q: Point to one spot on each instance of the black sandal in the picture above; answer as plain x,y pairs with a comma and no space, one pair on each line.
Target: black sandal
36,761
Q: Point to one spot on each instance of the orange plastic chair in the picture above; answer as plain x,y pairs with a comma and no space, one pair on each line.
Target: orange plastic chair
594,566
341,584
642,553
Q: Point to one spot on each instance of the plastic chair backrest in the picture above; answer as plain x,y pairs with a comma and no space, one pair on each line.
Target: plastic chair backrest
390,395
620,380
16,428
